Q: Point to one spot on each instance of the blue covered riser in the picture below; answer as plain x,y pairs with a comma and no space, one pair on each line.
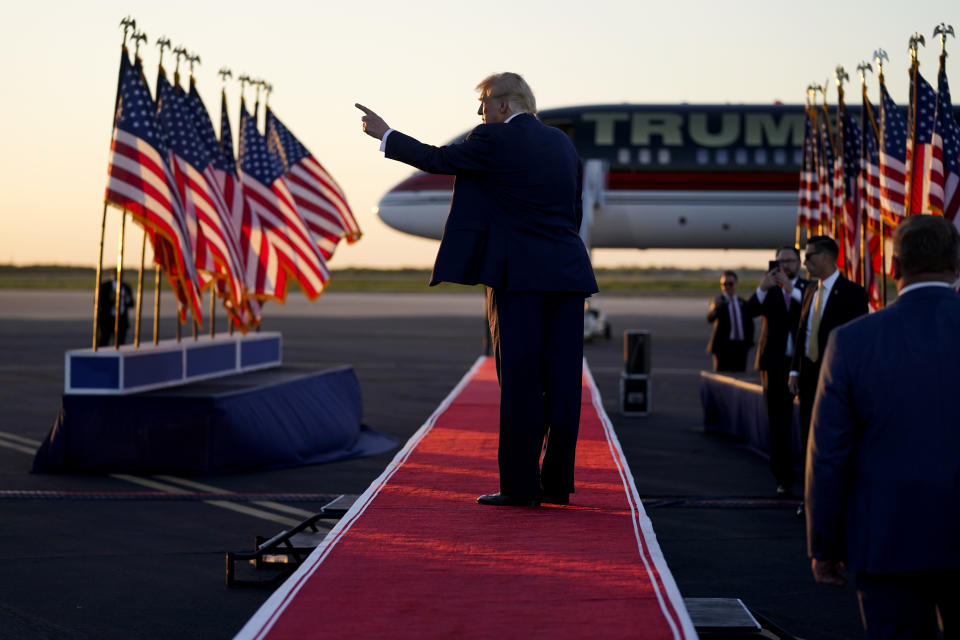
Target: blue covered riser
281,417
129,369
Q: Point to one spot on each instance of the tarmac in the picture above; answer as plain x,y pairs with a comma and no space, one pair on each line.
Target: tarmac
83,557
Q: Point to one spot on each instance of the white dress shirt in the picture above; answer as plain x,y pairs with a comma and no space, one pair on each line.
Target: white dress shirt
826,286
796,296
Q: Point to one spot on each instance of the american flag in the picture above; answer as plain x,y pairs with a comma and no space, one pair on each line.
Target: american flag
270,200
825,171
847,200
141,181
320,199
215,246
869,188
942,183
262,273
244,313
808,197
870,197
893,154
920,148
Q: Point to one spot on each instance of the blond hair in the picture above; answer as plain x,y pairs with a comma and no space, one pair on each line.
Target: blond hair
511,86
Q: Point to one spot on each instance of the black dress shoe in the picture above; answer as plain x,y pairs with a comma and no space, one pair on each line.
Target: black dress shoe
800,513
501,500
547,497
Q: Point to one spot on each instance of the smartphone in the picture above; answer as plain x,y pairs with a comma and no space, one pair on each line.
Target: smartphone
773,265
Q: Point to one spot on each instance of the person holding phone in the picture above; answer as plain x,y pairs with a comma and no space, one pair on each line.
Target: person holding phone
732,334
777,300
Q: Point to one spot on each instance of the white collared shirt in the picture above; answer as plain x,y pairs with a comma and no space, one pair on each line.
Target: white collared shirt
736,317
826,286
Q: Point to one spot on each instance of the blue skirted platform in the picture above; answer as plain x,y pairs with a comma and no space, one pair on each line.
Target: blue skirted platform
736,408
271,419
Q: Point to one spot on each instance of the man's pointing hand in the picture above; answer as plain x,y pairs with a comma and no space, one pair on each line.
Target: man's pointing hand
372,124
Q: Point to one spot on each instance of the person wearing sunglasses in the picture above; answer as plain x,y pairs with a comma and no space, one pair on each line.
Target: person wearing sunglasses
732,334
829,302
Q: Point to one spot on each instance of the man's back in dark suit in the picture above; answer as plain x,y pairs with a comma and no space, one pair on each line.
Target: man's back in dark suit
883,471
514,226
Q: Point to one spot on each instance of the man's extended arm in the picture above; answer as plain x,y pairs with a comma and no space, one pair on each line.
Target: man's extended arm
474,154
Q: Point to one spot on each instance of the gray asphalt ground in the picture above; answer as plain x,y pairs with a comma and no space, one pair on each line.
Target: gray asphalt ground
146,568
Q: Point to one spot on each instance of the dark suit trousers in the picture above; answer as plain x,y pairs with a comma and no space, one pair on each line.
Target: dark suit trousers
779,403
809,373
731,356
538,344
905,605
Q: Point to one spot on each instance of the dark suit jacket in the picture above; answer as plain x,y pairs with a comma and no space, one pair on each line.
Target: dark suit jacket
777,324
883,482
847,301
719,315
515,214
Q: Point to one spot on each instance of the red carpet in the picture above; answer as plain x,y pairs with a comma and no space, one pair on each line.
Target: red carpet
416,557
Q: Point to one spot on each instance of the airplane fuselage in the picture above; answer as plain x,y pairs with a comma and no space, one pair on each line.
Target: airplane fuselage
671,176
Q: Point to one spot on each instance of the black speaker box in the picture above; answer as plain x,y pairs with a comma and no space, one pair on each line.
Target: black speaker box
634,395
636,352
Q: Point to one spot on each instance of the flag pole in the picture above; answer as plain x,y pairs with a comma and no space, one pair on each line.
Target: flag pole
863,67
814,116
833,147
840,232
156,303
119,295
213,309
880,55
143,258
915,40
96,289
128,24
883,261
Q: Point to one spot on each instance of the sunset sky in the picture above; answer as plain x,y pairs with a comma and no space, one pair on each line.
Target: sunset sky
416,63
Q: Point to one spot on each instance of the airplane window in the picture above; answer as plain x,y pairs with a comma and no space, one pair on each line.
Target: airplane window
623,156
760,156
644,156
722,156
663,156
703,156
797,156
741,156
779,157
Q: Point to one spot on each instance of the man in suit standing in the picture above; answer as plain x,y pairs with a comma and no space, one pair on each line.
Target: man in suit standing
514,226
778,300
107,312
830,302
883,466
732,334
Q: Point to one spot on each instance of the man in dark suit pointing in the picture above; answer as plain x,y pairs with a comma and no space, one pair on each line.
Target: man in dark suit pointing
883,466
514,226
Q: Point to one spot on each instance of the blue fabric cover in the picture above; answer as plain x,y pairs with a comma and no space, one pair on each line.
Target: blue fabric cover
735,408
264,420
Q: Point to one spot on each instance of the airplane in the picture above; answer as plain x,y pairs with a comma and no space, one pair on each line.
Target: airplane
659,176
667,176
